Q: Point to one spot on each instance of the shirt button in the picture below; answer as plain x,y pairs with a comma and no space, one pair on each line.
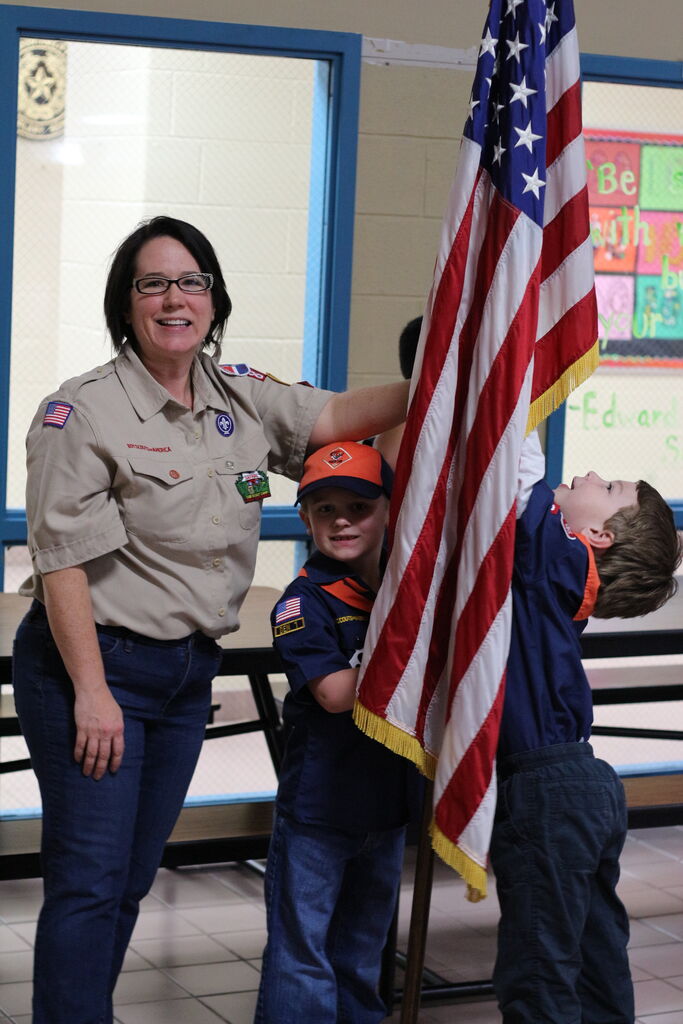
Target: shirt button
216,562
229,465
209,472
215,520
197,434
221,612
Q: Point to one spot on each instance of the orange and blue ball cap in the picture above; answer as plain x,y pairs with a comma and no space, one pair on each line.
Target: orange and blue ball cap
348,464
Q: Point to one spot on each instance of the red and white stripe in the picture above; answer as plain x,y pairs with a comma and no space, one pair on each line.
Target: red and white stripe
508,314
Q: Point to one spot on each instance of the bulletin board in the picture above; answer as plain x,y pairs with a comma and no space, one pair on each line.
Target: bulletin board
626,420
635,190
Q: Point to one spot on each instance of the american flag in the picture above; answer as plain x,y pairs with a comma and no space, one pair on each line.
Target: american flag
56,414
510,327
288,609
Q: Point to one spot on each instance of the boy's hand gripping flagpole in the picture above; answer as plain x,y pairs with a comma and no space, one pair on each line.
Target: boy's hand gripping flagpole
509,330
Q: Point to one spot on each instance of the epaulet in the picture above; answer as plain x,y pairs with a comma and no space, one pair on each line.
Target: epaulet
68,391
74,384
242,370
60,404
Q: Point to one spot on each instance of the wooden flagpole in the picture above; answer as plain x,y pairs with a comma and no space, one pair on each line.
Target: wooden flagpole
419,915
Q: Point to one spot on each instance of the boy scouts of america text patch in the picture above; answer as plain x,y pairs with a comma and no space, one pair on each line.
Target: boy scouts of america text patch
288,617
56,414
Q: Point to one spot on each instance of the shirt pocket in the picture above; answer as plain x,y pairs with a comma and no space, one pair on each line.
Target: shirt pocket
158,498
250,455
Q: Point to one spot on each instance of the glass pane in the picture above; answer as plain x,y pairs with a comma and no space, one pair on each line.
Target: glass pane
17,568
222,140
626,421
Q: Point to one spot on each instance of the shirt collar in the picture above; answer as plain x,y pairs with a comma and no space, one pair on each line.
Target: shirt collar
322,569
148,396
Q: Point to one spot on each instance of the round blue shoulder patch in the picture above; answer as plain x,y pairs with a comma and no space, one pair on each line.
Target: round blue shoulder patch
224,424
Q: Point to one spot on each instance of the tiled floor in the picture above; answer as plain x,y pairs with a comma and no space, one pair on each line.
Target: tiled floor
195,954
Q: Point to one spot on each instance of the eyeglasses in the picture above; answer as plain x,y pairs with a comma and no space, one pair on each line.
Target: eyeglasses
155,285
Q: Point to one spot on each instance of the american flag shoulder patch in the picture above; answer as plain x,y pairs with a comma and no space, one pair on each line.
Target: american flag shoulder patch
288,617
56,414
290,608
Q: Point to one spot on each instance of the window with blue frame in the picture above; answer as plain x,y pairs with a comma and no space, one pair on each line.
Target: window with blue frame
248,132
626,421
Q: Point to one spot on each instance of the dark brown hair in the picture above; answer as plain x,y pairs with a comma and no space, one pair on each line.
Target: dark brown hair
122,271
637,571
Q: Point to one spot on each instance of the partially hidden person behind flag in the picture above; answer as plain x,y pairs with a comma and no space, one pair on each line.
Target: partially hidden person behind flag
389,442
597,547
146,478
343,800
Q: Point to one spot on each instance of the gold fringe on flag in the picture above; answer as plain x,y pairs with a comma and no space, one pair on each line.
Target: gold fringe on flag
395,738
472,873
553,398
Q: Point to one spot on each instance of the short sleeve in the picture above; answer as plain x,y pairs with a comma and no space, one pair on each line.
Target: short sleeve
305,636
72,515
288,413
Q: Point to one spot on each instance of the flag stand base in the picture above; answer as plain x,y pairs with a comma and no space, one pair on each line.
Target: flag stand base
420,985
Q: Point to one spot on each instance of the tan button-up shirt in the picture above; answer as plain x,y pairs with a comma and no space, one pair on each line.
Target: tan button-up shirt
144,493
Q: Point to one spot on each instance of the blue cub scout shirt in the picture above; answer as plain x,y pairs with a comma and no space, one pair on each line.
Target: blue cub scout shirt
554,585
333,774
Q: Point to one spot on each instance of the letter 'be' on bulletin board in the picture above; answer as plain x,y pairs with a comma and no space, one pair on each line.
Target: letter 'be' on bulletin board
626,421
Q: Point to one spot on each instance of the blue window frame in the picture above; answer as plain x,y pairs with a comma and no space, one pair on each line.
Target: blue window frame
629,71
333,154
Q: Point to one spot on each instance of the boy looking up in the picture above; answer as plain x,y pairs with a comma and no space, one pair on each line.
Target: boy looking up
598,547
336,853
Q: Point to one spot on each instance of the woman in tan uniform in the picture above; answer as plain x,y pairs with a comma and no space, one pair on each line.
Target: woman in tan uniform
145,481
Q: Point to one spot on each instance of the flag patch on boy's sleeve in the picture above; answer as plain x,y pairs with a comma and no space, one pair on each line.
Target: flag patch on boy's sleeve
288,609
56,414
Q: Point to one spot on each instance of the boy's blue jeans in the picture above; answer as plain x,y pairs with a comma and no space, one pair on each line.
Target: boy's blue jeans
102,841
330,899
559,830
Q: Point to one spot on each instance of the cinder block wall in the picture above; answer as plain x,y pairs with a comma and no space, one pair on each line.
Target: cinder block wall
410,124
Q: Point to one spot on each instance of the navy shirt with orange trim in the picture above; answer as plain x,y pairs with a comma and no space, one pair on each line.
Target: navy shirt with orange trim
333,774
554,588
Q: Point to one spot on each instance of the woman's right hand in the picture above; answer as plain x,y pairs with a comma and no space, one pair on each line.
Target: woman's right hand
99,732
99,719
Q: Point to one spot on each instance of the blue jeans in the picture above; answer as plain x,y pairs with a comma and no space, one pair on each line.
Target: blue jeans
330,900
559,830
102,841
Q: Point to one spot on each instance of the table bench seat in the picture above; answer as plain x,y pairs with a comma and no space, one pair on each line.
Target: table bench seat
213,833
654,800
241,831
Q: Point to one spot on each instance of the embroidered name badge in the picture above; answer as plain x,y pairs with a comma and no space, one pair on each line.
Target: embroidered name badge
288,617
288,627
56,414
253,486
224,424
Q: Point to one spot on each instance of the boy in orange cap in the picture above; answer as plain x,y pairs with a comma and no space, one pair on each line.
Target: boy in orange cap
336,853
